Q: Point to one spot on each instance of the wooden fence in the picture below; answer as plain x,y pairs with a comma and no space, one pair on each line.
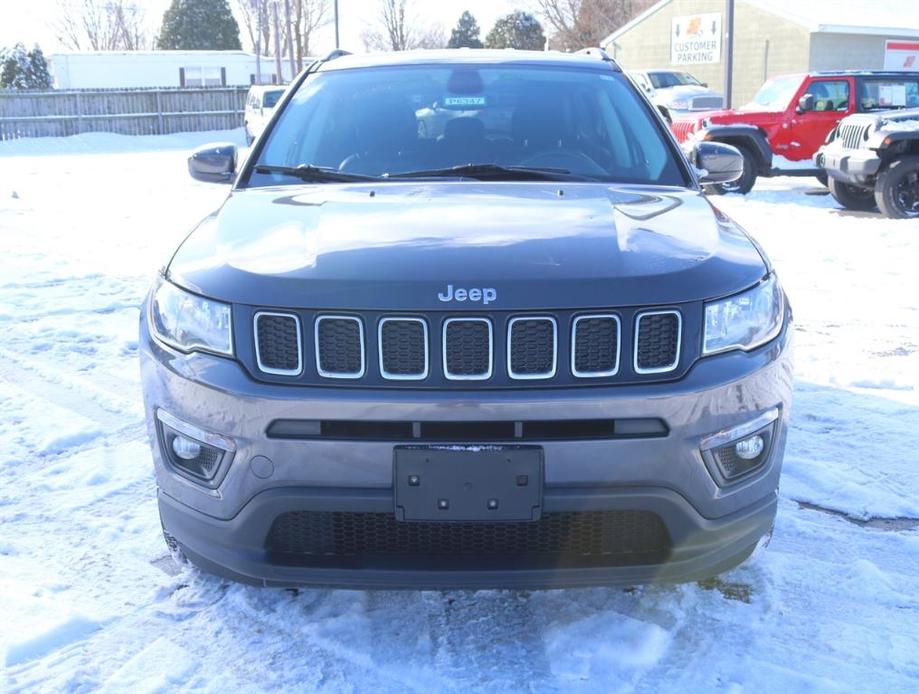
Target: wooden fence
124,111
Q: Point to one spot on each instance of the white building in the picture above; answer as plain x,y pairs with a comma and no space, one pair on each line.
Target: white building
137,69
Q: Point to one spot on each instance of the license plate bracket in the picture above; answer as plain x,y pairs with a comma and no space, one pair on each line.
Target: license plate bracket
468,483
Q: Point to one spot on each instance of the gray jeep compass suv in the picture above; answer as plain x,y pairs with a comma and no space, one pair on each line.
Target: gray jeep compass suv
520,349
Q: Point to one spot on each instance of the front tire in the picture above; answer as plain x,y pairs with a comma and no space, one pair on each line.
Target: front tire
897,189
742,185
851,197
823,178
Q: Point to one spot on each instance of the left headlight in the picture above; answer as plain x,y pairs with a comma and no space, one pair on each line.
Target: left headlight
189,322
746,320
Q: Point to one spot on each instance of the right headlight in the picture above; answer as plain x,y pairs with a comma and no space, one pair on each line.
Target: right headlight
746,320
190,322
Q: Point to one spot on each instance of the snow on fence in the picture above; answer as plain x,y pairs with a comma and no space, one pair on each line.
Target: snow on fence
123,111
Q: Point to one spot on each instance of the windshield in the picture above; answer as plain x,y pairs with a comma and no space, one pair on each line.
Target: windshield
586,124
271,98
774,95
663,80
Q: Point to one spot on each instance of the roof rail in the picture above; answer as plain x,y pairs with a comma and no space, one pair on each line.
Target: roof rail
599,53
332,55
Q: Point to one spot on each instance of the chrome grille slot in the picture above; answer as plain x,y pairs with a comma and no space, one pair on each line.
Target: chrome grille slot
595,346
403,346
468,350
532,347
278,343
852,135
340,347
657,341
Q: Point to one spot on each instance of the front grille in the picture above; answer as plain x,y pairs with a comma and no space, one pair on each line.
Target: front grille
340,347
682,129
657,344
600,538
852,135
595,346
278,343
702,102
531,351
467,348
497,350
403,348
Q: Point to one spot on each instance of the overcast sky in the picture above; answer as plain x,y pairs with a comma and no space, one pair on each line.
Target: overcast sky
29,21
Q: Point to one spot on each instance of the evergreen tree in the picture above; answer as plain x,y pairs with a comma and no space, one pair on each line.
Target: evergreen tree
199,25
21,69
466,33
38,76
517,30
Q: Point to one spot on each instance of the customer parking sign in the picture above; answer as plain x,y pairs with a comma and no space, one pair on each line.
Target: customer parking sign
696,39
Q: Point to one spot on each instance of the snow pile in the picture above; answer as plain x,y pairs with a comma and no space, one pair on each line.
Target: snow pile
90,599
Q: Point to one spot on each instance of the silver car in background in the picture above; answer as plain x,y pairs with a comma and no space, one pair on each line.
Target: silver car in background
678,91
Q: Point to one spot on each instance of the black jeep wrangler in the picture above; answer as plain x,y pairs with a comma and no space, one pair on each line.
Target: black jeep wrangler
873,159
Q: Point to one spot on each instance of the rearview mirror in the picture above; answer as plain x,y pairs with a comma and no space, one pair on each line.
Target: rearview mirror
806,103
718,162
215,163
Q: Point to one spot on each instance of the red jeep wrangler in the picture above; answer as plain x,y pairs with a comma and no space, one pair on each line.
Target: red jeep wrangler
779,132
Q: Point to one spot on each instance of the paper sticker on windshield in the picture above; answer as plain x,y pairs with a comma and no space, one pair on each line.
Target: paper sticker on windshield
464,101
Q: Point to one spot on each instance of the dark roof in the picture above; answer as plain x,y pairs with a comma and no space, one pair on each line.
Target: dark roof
864,73
475,56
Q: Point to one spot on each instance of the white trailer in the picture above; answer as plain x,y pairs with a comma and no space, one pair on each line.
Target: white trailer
138,69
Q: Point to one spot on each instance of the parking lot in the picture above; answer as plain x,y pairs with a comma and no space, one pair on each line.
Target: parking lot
90,597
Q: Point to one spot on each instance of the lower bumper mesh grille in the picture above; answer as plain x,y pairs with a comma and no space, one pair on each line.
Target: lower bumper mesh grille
592,538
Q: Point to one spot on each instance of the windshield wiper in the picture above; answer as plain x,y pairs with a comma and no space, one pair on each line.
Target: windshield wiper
319,174
495,172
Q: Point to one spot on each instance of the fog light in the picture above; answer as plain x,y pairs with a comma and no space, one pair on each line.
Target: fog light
190,451
740,450
185,448
750,448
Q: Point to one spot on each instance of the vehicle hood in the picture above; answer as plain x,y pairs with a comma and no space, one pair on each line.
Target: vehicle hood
398,245
735,117
684,91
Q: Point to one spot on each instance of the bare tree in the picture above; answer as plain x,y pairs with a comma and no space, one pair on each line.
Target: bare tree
257,23
309,16
306,17
396,29
101,25
583,23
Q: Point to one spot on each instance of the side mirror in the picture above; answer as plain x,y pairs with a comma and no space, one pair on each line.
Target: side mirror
213,163
805,103
720,163
665,112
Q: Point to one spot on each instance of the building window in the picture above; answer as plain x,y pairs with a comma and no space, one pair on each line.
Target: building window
202,76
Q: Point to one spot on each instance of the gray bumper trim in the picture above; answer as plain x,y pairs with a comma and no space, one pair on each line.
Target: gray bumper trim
234,548
855,167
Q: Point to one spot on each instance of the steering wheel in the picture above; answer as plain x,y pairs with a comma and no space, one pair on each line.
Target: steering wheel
571,159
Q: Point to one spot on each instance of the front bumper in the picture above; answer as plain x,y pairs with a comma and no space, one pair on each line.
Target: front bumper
854,166
711,526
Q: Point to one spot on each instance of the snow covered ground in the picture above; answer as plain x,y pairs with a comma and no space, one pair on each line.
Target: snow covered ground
89,599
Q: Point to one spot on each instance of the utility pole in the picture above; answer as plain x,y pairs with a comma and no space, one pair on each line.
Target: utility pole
290,40
258,42
729,54
336,25
277,43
